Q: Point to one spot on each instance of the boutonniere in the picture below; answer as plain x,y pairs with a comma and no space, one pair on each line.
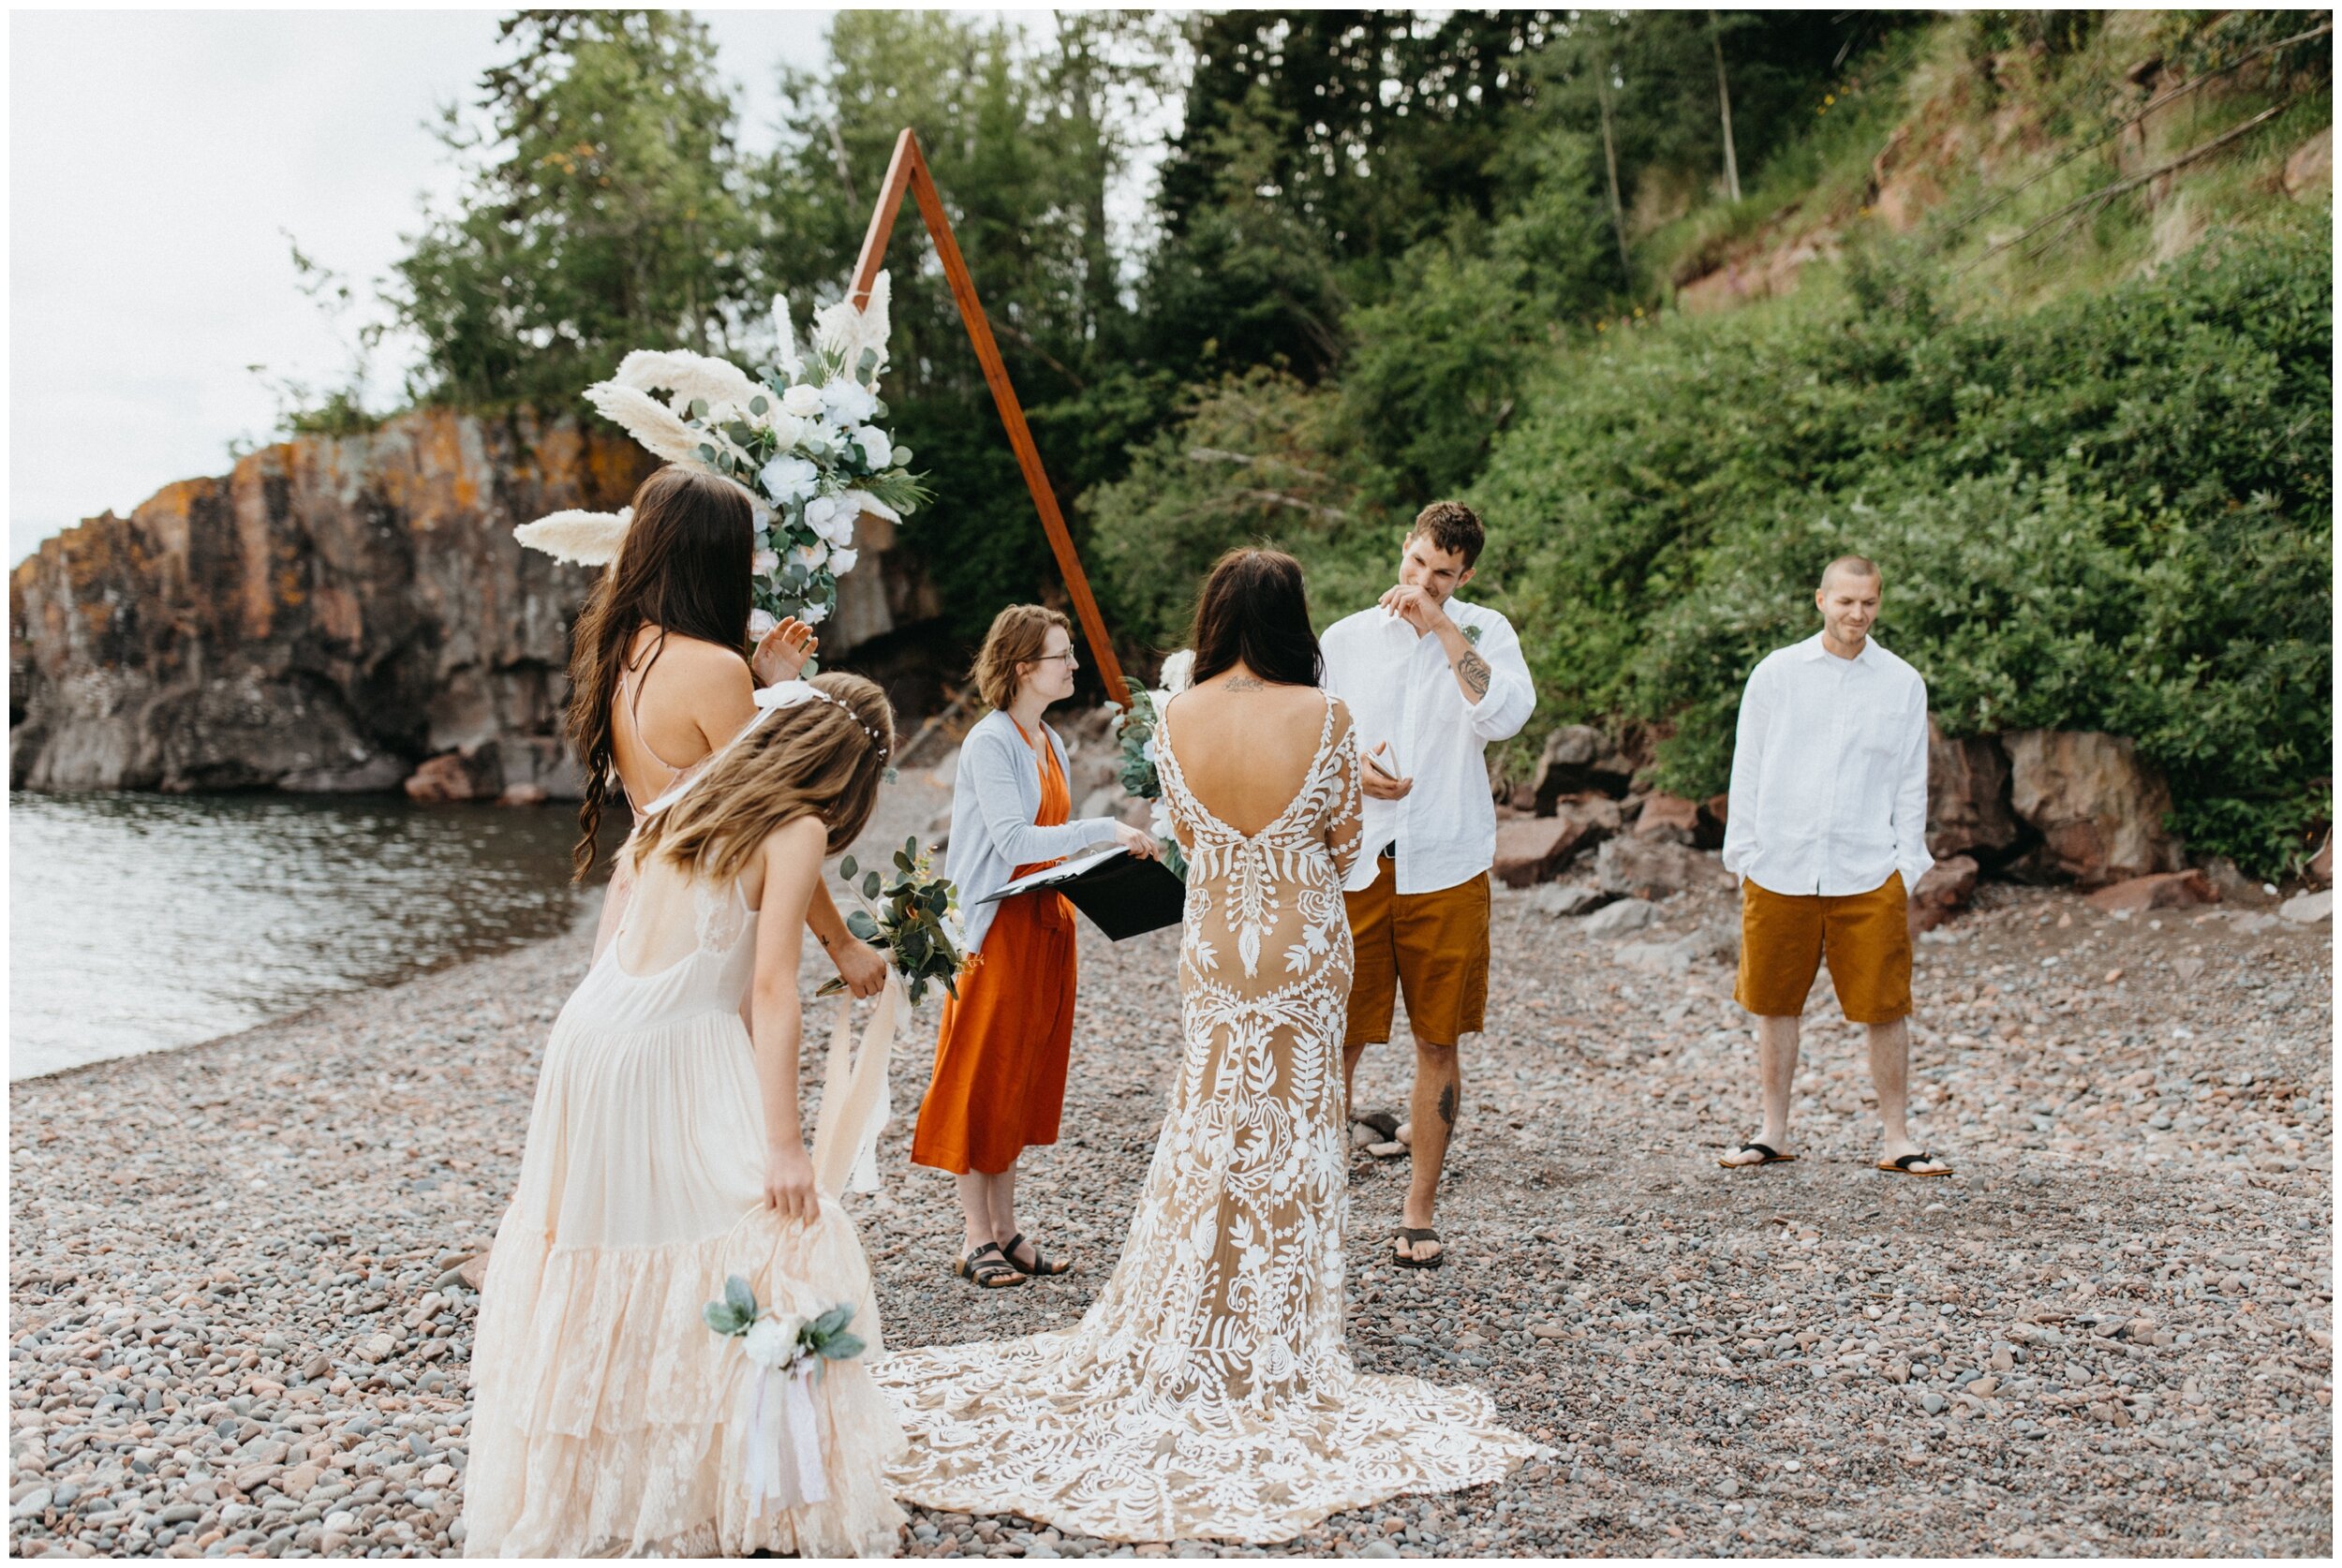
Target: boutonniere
1472,635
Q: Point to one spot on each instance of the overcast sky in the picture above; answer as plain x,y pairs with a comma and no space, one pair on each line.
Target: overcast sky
157,159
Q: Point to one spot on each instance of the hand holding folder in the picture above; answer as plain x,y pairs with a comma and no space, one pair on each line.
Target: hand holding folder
1122,894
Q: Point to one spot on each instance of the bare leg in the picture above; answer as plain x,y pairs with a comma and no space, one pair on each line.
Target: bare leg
1438,1098
1004,1211
1776,1067
1890,1075
975,1208
1350,1056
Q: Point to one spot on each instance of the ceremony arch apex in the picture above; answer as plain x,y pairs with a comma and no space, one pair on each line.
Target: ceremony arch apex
908,169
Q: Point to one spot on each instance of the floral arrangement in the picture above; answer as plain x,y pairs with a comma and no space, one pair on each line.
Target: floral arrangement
802,438
916,922
781,1446
1134,731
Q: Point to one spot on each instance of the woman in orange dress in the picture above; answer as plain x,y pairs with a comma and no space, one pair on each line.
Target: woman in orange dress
1000,1060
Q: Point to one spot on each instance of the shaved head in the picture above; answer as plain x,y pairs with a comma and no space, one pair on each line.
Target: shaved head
1851,565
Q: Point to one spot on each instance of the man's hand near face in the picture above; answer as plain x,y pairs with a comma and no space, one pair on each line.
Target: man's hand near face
1418,607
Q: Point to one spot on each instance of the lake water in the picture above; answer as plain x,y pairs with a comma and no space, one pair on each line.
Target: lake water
143,921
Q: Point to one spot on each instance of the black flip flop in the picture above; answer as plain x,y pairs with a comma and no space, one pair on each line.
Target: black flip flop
1043,1267
1901,1165
1385,1125
1771,1156
994,1273
1411,1236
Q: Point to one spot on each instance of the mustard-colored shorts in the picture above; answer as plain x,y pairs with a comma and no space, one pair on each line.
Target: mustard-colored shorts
1433,945
1865,938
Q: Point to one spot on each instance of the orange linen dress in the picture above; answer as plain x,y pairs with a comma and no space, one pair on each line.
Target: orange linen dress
1000,1060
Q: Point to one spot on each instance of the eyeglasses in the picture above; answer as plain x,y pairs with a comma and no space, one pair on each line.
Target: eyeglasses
1070,662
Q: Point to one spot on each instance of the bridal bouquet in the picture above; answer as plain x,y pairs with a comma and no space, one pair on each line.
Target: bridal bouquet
916,922
1134,731
802,438
780,1444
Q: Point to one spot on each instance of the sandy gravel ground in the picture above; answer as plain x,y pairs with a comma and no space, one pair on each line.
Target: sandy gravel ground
2109,1334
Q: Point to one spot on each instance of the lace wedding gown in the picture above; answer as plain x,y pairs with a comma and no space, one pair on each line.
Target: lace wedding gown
1208,1391
607,1413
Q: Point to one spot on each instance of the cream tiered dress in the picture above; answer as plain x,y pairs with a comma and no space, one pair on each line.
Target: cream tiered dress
607,1414
1208,1391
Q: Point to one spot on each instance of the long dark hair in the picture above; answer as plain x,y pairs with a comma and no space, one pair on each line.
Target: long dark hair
684,569
1254,609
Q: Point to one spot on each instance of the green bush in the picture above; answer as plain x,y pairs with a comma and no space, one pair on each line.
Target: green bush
2115,513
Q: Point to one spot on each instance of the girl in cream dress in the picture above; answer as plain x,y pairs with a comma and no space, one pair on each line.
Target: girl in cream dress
665,1154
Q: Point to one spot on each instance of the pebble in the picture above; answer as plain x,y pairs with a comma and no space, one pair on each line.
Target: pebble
2135,1260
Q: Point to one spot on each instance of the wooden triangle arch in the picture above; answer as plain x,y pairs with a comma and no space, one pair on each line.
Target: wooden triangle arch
908,169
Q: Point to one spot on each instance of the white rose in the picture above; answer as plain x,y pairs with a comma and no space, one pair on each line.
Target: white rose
876,449
802,401
814,615
842,559
787,476
765,562
820,510
810,556
761,622
1178,670
848,401
772,1339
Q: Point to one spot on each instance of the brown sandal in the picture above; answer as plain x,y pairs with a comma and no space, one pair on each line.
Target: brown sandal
993,1273
1043,1266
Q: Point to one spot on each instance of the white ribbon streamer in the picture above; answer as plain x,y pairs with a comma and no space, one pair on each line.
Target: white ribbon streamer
780,1455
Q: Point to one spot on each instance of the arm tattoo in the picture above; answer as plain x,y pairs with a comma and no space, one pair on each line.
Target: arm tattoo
1474,672
1448,1105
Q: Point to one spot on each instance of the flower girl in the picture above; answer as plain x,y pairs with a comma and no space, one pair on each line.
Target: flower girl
666,1357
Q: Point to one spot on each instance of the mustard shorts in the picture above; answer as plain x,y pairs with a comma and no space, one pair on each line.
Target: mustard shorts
1865,938
1433,945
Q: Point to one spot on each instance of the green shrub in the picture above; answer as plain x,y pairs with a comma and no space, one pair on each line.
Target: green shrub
2115,513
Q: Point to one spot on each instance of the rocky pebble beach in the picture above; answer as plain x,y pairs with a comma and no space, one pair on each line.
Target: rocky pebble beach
237,1326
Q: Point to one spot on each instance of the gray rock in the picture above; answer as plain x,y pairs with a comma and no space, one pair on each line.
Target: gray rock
2308,908
1566,898
1616,920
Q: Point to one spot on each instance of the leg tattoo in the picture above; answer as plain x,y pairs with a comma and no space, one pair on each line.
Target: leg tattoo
1448,1105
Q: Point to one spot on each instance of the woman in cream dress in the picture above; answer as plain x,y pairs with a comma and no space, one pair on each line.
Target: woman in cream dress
1208,1391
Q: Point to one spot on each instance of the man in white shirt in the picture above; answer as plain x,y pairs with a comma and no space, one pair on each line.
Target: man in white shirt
1430,681
1827,830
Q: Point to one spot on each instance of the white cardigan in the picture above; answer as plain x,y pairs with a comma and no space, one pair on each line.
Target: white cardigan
995,797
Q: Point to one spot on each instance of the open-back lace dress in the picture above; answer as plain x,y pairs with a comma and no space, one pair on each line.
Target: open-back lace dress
1207,1392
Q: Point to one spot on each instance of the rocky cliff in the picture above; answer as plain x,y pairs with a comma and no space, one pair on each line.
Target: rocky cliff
334,611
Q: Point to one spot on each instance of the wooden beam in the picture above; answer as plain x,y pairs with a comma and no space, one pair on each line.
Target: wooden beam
908,169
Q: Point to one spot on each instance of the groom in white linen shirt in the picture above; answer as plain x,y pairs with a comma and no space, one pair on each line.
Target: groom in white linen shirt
1827,830
1430,681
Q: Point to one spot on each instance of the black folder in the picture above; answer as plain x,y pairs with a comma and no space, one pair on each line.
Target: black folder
1122,895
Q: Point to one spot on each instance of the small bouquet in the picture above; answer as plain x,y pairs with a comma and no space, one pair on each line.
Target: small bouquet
916,921
1134,731
801,438
780,1442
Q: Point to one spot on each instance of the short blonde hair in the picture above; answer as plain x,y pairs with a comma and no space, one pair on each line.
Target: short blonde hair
1019,635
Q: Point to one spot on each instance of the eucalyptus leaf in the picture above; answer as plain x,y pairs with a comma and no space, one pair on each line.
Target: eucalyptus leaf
863,927
848,870
741,1299
870,886
843,1347
722,1318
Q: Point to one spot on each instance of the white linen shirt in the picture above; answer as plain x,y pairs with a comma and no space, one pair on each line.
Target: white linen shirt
1400,688
1829,773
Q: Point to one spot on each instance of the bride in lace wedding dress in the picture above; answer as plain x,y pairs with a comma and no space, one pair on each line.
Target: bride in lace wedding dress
1208,1391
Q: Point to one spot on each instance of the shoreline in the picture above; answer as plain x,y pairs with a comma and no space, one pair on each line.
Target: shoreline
229,1332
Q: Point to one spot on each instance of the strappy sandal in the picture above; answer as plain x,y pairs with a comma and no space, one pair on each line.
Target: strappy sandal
1415,1236
1043,1266
993,1273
